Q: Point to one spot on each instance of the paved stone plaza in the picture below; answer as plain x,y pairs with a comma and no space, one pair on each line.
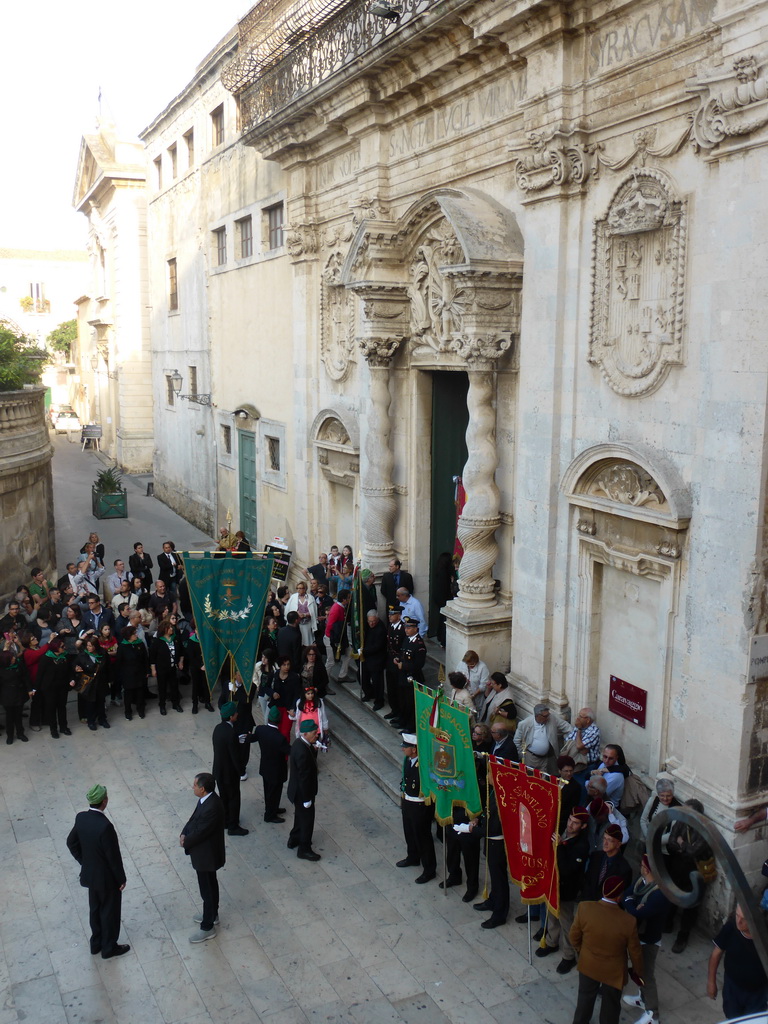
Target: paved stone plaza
349,939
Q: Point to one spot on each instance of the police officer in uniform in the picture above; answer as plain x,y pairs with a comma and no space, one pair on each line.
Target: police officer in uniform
395,640
417,816
410,663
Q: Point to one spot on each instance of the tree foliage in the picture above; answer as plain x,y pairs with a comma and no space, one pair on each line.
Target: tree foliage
21,362
61,338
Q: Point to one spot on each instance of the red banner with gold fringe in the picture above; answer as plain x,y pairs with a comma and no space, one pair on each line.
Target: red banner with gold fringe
529,808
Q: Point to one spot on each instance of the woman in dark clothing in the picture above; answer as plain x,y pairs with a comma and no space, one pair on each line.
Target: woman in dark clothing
314,671
443,590
31,654
142,592
286,690
54,678
15,690
268,641
132,668
242,544
141,565
166,656
194,661
93,664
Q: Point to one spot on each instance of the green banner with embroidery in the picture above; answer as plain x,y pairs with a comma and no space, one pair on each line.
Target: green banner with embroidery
446,758
228,594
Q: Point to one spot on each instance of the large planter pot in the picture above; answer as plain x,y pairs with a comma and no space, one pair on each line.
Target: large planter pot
110,506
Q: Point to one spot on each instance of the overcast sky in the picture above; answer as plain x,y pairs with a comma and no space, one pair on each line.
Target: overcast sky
56,56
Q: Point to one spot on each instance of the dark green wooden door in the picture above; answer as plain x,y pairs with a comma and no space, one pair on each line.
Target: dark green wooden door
450,418
247,458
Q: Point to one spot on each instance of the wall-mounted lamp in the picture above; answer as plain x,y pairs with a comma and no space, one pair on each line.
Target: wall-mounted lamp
177,380
386,9
247,412
94,360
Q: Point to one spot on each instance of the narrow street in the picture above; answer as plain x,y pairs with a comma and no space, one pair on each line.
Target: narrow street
349,939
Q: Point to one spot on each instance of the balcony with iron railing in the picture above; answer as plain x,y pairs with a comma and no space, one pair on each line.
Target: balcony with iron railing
286,51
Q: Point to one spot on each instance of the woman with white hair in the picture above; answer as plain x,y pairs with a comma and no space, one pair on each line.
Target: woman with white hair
663,797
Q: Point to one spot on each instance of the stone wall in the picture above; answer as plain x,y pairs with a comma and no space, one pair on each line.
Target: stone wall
26,489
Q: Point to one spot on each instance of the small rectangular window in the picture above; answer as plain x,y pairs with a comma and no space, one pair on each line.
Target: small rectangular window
189,138
217,125
275,226
273,453
220,242
226,439
173,154
192,381
158,162
245,237
173,289
169,395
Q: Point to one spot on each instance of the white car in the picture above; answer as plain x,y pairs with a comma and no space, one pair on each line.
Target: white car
65,419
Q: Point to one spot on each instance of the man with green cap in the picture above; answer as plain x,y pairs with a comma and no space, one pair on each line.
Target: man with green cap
302,790
93,843
227,767
273,768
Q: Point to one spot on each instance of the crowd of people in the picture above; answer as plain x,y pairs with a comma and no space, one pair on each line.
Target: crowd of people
121,640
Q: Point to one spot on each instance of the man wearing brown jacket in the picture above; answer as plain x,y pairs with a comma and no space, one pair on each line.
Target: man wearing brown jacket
602,934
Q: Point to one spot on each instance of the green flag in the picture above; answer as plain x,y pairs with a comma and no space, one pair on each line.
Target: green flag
446,758
228,594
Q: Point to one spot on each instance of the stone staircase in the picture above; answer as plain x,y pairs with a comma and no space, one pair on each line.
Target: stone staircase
366,735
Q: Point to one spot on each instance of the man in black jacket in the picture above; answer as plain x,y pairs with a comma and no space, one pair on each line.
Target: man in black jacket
394,579
374,661
410,663
273,768
289,640
203,841
227,767
302,790
572,857
93,843
605,863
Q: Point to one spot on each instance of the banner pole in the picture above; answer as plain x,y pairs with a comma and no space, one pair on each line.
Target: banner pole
530,956
445,866
487,843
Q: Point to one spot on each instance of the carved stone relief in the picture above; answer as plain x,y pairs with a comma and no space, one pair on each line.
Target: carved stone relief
556,158
731,103
628,485
638,285
336,455
437,301
337,311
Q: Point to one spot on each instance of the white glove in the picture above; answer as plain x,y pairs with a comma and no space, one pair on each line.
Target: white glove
307,803
359,650
242,738
464,827
233,687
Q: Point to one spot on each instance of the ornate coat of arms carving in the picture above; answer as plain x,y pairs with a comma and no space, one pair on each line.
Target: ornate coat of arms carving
638,287
437,301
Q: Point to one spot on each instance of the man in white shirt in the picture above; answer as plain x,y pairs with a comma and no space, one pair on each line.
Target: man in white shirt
411,607
116,578
539,738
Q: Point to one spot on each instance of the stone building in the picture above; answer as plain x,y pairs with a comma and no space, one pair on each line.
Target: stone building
524,248
113,350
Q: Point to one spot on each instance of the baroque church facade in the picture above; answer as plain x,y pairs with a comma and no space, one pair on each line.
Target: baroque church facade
509,250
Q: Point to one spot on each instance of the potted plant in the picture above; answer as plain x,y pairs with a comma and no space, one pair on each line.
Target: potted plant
109,497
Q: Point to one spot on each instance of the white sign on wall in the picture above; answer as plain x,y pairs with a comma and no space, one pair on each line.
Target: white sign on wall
758,658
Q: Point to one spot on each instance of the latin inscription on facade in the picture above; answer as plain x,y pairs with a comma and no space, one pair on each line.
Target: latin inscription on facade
338,168
490,104
647,31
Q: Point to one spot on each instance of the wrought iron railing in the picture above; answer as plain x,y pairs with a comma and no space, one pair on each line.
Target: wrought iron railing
341,41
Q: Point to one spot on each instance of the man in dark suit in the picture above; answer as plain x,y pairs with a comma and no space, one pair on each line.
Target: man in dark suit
203,841
97,615
273,769
410,663
373,661
302,790
503,743
289,641
227,767
395,641
169,568
606,862
93,843
394,579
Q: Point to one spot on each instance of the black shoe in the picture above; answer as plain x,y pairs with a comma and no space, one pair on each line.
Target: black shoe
23,737
237,831
141,714
680,942
366,700
485,905
521,918
396,723
391,715
117,951
469,895
105,724
178,707
546,950
449,884
92,726
538,936
281,810
307,855
209,707
194,709
565,966
275,821
95,950
424,877
379,706
129,717
163,711
292,844
9,740
66,732
406,863
54,735
492,923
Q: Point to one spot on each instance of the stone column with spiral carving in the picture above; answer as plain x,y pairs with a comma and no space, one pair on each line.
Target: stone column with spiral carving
480,518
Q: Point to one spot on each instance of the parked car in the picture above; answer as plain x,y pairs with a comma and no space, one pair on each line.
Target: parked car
65,419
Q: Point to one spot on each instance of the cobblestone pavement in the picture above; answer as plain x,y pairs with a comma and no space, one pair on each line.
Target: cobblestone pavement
350,939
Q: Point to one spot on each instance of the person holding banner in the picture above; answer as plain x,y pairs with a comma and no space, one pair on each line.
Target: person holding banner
602,935
417,815
572,857
496,854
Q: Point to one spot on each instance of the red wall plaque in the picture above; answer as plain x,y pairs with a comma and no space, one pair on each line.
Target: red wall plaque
627,701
